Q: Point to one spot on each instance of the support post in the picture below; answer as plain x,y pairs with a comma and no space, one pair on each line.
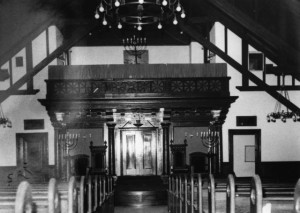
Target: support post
111,148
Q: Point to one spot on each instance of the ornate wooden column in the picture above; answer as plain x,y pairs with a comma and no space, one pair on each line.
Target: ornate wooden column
57,151
220,150
166,149
111,149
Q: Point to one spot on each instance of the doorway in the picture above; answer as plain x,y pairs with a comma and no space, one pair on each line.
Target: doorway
244,152
138,152
32,154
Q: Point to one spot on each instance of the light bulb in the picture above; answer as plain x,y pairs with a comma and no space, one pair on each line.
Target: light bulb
178,8
104,22
159,26
164,3
139,28
141,1
117,3
119,26
97,16
182,14
175,22
101,8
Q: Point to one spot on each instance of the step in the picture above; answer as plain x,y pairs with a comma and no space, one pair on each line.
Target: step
140,191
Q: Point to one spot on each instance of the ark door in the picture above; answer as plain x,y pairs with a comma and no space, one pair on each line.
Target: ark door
138,152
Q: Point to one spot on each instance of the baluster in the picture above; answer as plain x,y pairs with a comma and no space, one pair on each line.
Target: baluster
200,206
180,194
185,194
192,194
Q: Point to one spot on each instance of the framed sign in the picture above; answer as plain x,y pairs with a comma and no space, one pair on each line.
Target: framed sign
136,57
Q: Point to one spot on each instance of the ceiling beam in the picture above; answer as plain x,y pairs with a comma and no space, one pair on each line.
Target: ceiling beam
19,45
284,55
77,35
188,29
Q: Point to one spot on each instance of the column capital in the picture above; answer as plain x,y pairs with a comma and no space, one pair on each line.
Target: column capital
111,125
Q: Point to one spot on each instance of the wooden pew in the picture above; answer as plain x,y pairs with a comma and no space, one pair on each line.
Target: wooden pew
297,198
230,194
44,198
257,201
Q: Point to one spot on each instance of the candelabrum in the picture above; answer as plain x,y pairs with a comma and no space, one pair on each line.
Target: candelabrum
210,139
69,142
135,46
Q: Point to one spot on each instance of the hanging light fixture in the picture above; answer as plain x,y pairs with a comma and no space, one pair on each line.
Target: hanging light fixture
280,113
139,12
4,121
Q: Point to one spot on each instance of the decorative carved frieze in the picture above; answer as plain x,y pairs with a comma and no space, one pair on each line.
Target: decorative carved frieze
58,89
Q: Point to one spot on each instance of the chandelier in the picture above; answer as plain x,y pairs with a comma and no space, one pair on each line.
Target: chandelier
4,121
279,113
139,12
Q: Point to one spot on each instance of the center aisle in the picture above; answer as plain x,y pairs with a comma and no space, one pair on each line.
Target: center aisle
144,209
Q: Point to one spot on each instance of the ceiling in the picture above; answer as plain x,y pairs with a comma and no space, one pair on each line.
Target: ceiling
18,18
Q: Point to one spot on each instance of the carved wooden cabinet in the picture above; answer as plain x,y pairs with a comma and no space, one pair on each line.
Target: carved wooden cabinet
179,158
78,164
199,162
98,159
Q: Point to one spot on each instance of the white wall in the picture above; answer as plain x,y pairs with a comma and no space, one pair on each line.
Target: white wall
279,141
20,107
114,55
275,136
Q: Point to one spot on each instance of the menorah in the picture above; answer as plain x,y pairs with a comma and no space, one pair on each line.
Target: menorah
135,46
69,142
210,140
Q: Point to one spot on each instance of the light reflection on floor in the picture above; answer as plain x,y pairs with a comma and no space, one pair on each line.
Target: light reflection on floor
144,209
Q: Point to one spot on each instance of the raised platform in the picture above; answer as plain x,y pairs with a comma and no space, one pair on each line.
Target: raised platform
140,191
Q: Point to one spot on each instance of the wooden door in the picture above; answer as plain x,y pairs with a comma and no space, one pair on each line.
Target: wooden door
244,152
139,152
32,154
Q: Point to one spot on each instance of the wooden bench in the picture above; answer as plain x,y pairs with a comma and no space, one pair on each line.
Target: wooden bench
43,199
257,201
